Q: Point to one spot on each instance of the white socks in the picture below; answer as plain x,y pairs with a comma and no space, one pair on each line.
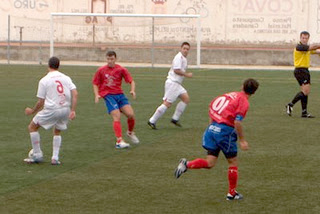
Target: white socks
35,141
56,143
159,112
179,110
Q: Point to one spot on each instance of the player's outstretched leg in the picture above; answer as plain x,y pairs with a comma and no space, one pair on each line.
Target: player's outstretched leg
182,168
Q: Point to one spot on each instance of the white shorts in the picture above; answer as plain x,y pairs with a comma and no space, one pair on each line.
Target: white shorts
172,91
48,118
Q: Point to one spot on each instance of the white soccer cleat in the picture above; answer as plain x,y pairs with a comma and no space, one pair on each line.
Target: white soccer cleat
182,168
33,157
133,138
122,145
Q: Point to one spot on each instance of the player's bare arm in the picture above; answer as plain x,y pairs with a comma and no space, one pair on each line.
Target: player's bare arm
243,143
72,114
96,93
314,47
133,89
36,108
181,73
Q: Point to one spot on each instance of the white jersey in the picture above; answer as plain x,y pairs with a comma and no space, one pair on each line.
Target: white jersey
55,88
179,62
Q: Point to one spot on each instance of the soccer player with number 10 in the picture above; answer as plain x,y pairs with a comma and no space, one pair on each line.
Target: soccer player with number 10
226,113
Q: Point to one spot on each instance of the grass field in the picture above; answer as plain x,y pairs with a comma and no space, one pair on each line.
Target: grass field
279,174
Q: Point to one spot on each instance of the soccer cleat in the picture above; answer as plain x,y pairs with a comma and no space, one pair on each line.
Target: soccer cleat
237,196
176,122
182,168
152,125
307,115
289,110
122,145
33,159
55,162
133,137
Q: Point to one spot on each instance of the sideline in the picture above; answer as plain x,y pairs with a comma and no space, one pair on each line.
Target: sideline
148,65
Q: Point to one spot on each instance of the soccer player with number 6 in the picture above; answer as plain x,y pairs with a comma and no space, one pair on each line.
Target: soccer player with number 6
56,94
226,114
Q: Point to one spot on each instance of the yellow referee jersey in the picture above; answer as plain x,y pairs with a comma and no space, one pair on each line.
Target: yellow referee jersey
301,56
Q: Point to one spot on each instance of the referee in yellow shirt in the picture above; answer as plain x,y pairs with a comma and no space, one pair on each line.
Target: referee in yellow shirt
301,57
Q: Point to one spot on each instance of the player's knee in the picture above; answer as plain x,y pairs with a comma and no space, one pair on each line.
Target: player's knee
32,127
167,104
129,114
210,164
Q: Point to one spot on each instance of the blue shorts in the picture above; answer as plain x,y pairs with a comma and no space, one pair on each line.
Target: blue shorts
115,101
220,137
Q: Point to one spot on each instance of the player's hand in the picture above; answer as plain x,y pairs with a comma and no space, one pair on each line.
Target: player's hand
188,74
244,145
96,98
133,94
28,111
72,115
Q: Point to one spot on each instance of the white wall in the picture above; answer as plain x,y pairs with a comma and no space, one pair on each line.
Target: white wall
224,21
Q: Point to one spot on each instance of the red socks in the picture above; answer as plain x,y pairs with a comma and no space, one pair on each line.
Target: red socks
131,123
117,129
233,178
197,164
232,172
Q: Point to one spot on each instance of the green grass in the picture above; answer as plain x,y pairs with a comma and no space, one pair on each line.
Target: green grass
279,174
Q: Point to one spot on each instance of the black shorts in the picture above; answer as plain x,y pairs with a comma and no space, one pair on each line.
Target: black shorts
302,75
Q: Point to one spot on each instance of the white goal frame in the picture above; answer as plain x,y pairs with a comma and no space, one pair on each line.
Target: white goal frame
153,16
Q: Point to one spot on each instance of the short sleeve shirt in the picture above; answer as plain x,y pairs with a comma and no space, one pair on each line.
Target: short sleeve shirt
109,79
55,88
229,107
179,62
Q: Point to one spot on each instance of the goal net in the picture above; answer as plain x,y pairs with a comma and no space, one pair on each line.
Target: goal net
146,39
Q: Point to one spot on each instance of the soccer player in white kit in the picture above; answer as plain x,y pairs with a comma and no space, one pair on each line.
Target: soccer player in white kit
173,88
56,94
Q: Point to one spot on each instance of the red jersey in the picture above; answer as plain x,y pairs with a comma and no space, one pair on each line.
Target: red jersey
109,79
229,107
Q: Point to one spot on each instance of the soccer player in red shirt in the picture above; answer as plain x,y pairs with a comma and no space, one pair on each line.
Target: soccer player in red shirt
107,85
226,113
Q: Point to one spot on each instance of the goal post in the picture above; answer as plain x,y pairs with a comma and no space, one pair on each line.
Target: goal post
174,28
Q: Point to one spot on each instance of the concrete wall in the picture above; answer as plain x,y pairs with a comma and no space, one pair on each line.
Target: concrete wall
233,31
218,55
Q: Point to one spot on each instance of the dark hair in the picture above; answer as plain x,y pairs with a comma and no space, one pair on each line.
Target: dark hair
111,53
304,33
185,43
54,62
250,86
